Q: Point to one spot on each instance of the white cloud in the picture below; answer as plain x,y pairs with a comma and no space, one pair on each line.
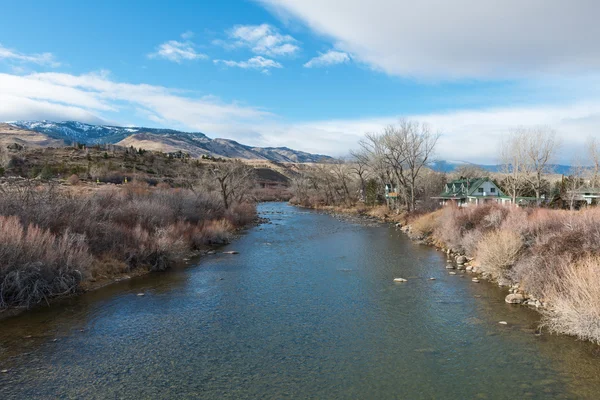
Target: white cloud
263,39
258,62
178,52
332,57
46,59
95,97
458,39
467,135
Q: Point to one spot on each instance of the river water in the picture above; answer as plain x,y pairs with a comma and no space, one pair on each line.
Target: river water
307,309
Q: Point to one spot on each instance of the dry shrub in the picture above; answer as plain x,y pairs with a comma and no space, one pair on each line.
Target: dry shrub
448,231
216,232
574,300
380,212
455,224
73,180
498,251
36,265
241,214
426,224
136,226
470,241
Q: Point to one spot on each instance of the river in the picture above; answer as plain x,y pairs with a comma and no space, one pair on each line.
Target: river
307,309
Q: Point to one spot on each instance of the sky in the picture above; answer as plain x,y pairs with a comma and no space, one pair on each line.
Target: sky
313,75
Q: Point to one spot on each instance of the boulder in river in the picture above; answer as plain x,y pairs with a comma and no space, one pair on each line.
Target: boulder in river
460,260
400,280
515,298
231,252
475,280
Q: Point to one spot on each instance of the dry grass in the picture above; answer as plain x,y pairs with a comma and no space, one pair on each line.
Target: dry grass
426,224
574,300
498,251
35,264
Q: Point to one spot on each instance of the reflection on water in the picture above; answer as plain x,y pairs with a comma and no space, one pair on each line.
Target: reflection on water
306,310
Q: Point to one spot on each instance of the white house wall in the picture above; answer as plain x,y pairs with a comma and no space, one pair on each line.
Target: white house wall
487,186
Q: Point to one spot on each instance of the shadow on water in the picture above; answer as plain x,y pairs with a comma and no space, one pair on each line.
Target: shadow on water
307,309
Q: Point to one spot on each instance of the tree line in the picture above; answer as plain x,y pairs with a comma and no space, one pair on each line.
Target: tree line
398,157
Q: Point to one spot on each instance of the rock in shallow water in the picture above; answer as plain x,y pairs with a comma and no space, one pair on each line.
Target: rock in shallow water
400,280
514,298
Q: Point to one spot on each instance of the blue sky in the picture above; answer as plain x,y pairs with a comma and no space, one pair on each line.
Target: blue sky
307,74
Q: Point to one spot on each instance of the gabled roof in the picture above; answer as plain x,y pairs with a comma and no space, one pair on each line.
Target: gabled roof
465,187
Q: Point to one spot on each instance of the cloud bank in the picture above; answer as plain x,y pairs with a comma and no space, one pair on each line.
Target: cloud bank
436,39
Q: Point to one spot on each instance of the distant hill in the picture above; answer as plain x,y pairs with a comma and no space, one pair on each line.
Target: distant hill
165,140
10,134
451,166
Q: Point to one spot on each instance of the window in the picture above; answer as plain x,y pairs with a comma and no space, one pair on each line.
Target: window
492,190
480,190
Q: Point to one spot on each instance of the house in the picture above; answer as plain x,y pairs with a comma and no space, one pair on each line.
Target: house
589,196
474,191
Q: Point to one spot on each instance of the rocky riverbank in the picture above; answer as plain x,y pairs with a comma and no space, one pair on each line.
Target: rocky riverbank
462,262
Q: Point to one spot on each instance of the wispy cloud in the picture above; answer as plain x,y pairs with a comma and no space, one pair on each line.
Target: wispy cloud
331,57
96,97
262,39
178,51
45,59
258,63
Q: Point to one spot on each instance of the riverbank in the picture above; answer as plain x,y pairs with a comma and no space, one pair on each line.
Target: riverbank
546,259
57,243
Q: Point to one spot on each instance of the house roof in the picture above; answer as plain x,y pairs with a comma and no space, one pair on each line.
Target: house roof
461,187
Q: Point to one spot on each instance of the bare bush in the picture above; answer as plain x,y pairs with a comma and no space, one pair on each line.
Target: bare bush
37,265
131,227
498,251
574,300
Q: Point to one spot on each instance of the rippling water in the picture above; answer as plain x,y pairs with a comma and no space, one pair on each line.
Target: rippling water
307,309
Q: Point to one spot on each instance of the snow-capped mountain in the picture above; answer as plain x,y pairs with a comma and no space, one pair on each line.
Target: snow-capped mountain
73,131
166,140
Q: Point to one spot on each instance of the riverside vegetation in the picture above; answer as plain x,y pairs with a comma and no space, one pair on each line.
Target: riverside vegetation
544,253
59,236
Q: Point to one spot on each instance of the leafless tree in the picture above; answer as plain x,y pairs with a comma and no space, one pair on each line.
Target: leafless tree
471,171
360,166
343,175
513,166
594,155
235,180
539,149
419,146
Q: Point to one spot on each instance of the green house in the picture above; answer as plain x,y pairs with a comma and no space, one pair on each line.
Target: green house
464,192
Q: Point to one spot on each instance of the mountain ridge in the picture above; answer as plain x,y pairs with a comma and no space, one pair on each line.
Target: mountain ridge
197,144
